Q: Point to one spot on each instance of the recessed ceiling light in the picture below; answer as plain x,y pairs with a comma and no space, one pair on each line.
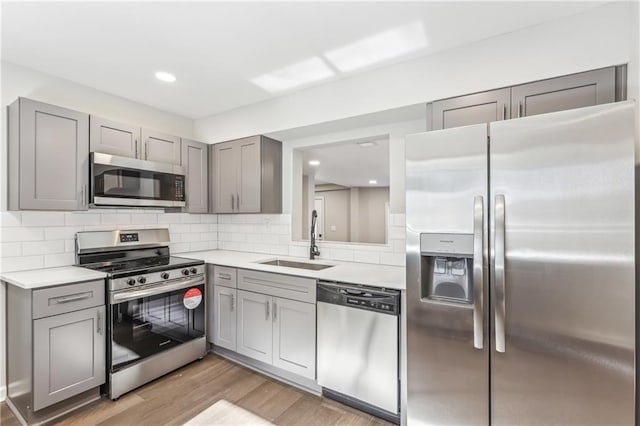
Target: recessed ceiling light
367,144
165,76
373,182
314,163
307,71
378,47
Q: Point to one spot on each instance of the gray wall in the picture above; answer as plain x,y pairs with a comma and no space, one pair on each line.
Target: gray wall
368,214
336,213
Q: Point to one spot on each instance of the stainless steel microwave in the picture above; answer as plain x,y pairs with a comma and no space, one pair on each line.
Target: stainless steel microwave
130,182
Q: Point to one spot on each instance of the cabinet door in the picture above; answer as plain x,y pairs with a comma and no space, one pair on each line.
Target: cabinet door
225,171
224,317
68,355
254,332
562,93
294,336
54,157
471,109
195,161
109,137
160,147
249,175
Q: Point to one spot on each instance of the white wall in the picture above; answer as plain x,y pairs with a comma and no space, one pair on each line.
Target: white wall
600,37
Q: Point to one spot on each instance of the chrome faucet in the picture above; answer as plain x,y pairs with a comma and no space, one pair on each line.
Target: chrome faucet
313,250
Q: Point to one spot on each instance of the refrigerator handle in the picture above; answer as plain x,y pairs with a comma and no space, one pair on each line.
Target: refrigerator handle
478,271
499,274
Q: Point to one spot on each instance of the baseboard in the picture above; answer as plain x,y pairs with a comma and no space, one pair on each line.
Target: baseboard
3,393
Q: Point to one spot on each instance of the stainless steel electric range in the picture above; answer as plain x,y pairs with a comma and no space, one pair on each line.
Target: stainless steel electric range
155,304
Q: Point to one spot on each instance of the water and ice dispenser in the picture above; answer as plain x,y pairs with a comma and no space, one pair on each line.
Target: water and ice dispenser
447,267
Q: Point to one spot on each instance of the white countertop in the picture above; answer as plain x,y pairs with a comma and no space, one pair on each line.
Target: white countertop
39,278
392,277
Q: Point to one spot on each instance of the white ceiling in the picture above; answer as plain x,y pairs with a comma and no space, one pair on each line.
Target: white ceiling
349,164
214,49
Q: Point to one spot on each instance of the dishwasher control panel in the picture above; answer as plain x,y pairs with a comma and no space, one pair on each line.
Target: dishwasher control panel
371,304
362,297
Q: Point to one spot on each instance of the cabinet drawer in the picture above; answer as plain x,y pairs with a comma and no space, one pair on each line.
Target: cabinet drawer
225,277
67,298
287,286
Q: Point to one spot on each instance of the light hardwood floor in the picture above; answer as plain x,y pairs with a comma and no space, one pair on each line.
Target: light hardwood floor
213,391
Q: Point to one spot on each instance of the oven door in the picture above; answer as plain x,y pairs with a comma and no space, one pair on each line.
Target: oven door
147,321
122,181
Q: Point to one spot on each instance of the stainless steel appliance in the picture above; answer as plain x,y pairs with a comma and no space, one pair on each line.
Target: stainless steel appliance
520,271
358,346
155,304
123,181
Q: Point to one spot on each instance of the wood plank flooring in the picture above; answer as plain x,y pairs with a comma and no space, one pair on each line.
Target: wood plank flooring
213,391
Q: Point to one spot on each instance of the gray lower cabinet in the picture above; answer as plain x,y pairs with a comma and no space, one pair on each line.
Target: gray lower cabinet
68,355
246,176
160,147
110,137
562,93
48,157
255,329
56,348
195,160
466,110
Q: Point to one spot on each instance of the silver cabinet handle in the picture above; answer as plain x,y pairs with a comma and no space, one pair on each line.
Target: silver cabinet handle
275,310
478,272
146,149
135,142
504,111
99,325
224,276
499,273
519,109
84,196
74,298
233,205
238,201
266,308
233,302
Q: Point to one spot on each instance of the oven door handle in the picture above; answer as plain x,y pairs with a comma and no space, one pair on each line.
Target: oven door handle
154,290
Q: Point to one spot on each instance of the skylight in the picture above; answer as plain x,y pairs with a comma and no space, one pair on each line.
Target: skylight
307,71
378,47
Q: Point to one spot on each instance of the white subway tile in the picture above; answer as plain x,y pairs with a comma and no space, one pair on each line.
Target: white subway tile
70,245
398,219
179,228
116,219
225,236
168,218
81,219
342,254
32,248
189,218
144,219
8,235
199,227
397,232
213,245
61,259
209,218
10,249
297,251
102,227
225,218
42,218
62,232
199,246
10,219
21,263
366,256
179,247
209,236
191,237
396,259
175,238
399,246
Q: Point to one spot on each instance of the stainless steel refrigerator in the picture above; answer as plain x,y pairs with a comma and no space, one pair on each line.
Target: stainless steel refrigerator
520,271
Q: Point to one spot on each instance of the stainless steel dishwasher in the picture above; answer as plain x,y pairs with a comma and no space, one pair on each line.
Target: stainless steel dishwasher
358,346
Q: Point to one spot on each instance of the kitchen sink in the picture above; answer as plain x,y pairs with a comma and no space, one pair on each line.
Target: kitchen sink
298,265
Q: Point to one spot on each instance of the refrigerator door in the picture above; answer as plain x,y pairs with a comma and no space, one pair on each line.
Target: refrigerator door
447,355
562,233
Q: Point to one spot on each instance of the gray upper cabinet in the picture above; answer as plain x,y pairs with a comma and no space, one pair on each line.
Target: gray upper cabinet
247,176
48,157
160,147
195,160
466,110
110,137
562,93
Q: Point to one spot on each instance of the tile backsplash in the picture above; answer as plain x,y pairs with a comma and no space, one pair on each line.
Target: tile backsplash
34,239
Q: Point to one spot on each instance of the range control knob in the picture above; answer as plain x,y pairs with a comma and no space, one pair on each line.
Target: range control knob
165,275
142,280
131,281
194,270
185,272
